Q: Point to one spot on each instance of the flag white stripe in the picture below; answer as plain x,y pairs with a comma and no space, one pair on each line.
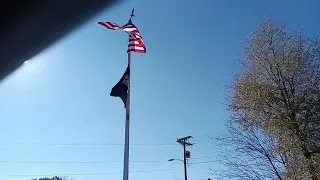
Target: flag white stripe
136,47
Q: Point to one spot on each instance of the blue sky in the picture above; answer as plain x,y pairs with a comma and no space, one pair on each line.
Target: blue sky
177,89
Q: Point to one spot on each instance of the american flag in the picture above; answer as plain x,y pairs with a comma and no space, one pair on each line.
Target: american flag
136,43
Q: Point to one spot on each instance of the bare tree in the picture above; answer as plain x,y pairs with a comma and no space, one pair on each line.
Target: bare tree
278,92
248,154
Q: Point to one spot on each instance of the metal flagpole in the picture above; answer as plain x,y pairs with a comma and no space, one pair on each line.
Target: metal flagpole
127,123
127,128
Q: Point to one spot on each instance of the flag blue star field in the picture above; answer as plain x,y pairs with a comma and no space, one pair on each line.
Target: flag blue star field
121,88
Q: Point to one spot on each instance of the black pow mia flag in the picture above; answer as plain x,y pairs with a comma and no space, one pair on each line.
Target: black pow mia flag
121,88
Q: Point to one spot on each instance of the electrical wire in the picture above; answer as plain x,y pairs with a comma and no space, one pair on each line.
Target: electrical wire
207,150
81,144
204,162
90,174
201,157
206,173
192,179
203,151
75,162
204,145
92,162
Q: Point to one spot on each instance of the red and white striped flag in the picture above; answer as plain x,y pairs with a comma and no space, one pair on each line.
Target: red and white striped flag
136,43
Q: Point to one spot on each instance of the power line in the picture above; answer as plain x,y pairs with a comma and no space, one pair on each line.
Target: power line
192,179
204,162
208,161
92,162
203,151
81,144
204,137
200,170
76,162
91,174
204,145
208,149
202,157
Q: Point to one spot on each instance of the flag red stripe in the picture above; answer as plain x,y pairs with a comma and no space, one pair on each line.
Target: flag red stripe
110,25
136,43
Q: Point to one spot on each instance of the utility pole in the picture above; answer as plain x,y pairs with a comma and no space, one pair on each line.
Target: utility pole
186,154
